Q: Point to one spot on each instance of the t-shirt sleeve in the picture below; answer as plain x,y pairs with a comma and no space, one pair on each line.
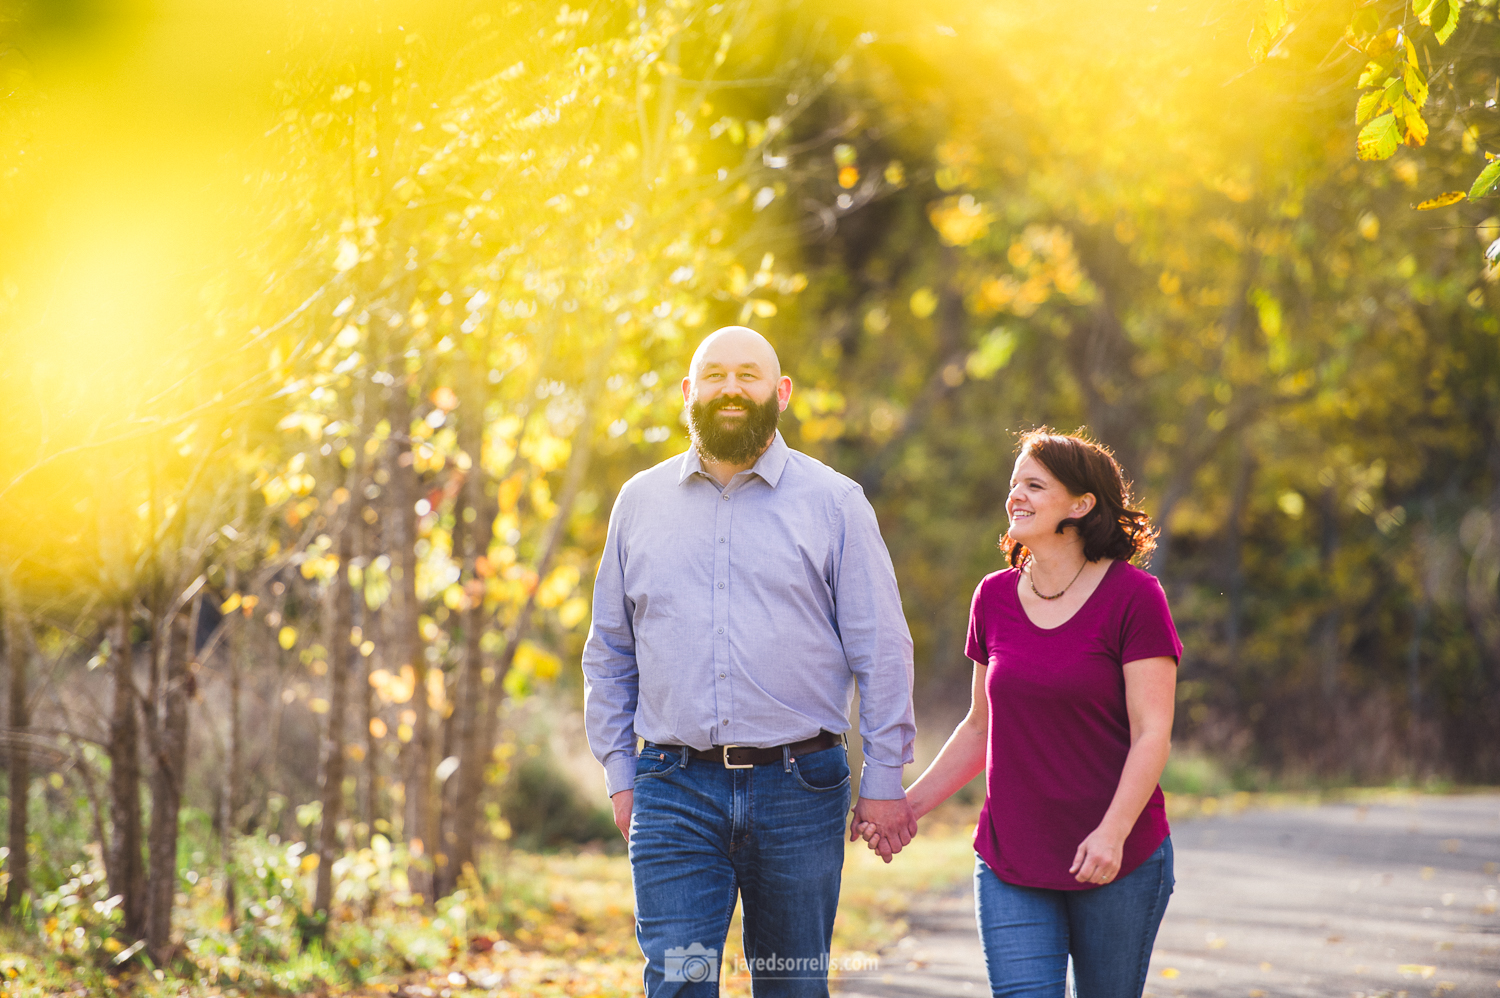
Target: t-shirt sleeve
977,649
1148,630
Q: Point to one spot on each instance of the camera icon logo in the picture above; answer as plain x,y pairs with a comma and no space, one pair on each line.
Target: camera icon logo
696,963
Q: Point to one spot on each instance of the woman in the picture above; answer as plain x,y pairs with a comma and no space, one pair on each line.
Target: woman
1075,666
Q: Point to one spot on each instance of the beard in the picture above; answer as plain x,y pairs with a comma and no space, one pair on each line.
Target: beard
739,442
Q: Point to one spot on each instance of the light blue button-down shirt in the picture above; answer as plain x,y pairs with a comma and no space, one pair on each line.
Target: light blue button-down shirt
746,616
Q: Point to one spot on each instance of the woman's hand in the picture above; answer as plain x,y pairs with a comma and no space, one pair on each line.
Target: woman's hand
1098,858
866,830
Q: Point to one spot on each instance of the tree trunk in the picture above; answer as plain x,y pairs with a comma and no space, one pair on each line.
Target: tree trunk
1329,644
1239,495
170,749
127,872
19,768
230,801
477,523
421,822
340,654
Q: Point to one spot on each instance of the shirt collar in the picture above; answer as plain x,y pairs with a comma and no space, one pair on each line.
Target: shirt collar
768,466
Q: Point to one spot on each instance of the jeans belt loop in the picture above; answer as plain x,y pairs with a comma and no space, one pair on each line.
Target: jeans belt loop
786,758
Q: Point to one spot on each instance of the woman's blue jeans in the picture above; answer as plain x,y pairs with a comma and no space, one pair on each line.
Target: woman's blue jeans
773,834
1029,932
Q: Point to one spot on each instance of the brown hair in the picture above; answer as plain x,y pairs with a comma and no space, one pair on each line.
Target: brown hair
1112,528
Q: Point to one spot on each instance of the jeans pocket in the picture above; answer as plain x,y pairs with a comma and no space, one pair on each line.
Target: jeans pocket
822,772
655,762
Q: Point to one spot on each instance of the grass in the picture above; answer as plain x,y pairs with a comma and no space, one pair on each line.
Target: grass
549,925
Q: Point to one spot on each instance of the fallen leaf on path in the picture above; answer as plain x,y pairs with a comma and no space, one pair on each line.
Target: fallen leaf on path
1421,970
1169,972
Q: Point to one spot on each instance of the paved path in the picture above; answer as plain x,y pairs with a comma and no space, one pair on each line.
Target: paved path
1353,901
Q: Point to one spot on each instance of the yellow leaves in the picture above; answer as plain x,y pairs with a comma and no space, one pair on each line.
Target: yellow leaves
1170,972
1441,201
396,688
1416,970
318,705
287,637
1271,25
848,177
923,302
959,221
1416,128
309,862
532,664
545,451
348,256
444,398
571,613
558,586
436,690
1369,226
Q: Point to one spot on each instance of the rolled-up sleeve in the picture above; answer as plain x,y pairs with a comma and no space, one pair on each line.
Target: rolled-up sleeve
611,679
877,646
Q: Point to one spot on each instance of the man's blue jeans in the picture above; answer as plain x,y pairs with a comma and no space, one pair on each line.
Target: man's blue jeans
773,834
1029,932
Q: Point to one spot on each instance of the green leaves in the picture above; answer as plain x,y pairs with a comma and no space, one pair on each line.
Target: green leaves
1439,15
1401,86
1486,180
1378,139
1271,25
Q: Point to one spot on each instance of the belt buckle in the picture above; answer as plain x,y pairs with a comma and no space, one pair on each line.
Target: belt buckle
730,765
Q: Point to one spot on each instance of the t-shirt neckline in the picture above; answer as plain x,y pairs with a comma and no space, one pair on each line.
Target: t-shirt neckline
1075,614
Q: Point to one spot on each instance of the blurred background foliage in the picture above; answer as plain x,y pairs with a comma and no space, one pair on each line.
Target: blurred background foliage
331,330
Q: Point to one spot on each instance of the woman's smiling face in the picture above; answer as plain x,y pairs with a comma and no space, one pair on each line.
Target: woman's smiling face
1038,502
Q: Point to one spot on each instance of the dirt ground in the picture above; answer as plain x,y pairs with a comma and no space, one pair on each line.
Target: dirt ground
1394,899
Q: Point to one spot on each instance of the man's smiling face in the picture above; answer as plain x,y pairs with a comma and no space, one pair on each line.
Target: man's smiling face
735,394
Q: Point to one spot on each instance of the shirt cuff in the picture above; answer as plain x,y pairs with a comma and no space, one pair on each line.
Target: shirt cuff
877,782
619,772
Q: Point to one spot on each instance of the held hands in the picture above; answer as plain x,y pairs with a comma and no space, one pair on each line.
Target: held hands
885,825
1098,858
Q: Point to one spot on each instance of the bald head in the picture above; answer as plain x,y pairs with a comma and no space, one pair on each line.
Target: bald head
737,347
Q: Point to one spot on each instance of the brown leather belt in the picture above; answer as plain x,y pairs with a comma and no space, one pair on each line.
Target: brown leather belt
743,757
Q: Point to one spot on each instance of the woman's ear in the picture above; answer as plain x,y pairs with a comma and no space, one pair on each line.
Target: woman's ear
1082,505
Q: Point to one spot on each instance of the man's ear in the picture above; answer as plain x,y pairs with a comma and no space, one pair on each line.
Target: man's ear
784,391
687,389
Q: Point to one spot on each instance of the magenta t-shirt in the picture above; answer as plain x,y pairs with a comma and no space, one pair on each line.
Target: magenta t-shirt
1059,731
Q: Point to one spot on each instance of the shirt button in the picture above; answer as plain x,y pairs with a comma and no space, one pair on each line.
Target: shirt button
721,540
721,585
721,675
726,720
721,630
726,499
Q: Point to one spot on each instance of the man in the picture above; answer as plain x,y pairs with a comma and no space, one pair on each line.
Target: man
743,591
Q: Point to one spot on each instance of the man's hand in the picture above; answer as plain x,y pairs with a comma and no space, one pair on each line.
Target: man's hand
624,804
887,825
